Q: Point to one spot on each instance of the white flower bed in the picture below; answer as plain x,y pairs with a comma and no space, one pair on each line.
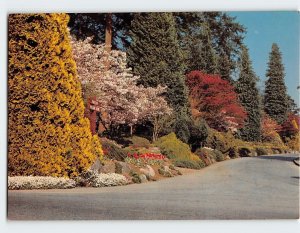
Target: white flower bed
110,179
103,180
39,182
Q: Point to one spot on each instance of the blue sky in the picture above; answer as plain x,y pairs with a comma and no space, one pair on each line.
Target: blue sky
265,28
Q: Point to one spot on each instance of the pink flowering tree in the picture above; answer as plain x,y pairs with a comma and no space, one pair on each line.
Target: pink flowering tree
121,100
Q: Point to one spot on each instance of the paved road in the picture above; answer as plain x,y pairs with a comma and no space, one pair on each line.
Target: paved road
247,188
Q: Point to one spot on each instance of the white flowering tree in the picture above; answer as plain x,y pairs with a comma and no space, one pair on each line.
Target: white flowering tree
121,100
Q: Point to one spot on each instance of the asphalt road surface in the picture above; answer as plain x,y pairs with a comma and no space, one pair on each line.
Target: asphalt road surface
265,187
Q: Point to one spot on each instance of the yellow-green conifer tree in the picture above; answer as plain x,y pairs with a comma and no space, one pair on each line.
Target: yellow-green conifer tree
48,134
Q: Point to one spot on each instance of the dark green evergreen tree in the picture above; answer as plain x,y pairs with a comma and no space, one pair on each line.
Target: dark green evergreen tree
227,37
195,40
83,25
249,98
156,57
181,126
276,102
200,52
292,106
198,133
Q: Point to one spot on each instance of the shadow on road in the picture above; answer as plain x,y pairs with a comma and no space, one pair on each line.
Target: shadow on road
278,157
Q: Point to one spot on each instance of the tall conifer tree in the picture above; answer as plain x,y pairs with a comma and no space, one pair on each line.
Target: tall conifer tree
200,52
276,99
156,57
249,98
48,134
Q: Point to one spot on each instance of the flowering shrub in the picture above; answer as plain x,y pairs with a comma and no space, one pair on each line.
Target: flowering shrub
39,182
95,179
146,158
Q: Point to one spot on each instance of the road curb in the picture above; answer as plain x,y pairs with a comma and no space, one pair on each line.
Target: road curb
296,161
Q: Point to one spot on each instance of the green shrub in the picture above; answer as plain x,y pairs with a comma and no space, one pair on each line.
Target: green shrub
244,152
135,177
218,140
173,148
294,143
189,164
112,150
182,130
172,167
201,163
198,133
209,156
139,142
165,173
218,155
261,151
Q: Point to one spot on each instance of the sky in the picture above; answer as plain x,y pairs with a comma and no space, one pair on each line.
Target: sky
265,28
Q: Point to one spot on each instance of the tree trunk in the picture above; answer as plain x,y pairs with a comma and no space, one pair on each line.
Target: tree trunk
108,32
155,129
108,39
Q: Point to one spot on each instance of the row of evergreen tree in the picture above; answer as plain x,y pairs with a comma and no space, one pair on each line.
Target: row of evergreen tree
163,47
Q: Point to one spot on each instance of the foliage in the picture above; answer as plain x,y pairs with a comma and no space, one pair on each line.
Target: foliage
199,51
116,89
211,41
94,179
139,141
229,145
261,151
198,133
209,155
181,127
294,143
155,56
162,125
83,25
248,96
173,148
228,38
189,164
276,98
216,101
218,140
135,177
290,127
112,151
39,182
292,106
270,129
219,156
48,134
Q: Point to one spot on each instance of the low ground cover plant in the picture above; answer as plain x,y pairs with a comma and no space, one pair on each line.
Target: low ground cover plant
94,179
39,182
189,164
